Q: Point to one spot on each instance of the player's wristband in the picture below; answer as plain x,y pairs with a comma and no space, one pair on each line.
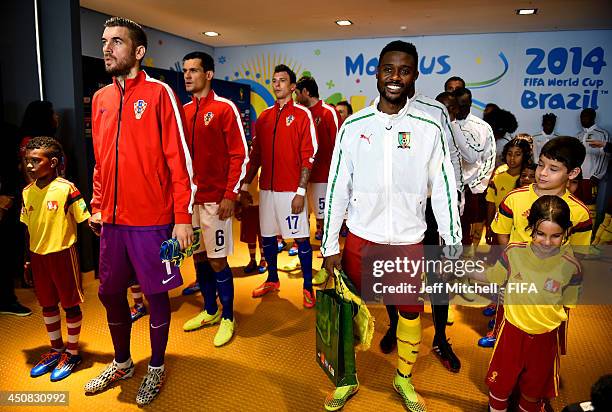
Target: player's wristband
244,187
300,191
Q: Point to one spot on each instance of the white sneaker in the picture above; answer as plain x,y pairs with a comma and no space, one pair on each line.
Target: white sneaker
110,375
150,386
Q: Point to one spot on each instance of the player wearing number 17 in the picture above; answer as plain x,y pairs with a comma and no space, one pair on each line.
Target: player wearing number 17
284,146
219,152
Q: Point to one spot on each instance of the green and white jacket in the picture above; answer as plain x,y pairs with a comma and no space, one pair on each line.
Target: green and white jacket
382,169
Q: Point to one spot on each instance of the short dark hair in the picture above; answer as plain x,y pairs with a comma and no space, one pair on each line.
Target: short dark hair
565,149
206,60
52,147
349,108
589,111
137,34
284,68
462,91
493,105
444,96
552,208
549,116
400,46
501,121
452,79
310,84
601,394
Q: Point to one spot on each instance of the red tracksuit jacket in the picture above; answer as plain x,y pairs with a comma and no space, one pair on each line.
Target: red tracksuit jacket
143,169
285,141
327,122
218,147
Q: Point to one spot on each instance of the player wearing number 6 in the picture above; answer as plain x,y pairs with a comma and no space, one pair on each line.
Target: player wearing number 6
219,152
285,145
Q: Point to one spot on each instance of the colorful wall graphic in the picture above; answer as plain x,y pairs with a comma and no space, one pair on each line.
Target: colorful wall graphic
527,73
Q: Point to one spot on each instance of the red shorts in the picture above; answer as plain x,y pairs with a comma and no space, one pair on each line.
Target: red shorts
585,190
352,263
475,208
249,224
57,278
532,361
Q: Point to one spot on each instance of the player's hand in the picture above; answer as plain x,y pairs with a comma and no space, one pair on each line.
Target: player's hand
226,209
297,204
183,232
27,274
332,262
245,198
597,143
95,223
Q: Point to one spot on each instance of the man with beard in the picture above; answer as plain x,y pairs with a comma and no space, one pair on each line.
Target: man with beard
142,196
284,146
386,158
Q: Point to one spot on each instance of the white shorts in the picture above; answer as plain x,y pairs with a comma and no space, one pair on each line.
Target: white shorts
275,217
316,197
217,239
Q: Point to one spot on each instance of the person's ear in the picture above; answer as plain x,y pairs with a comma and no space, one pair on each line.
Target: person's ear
140,52
54,162
574,173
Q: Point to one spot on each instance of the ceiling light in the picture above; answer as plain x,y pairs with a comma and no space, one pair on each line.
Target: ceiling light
526,12
211,33
344,22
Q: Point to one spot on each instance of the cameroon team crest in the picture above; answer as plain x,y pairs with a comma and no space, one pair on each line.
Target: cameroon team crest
289,119
208,118
139,108
403,140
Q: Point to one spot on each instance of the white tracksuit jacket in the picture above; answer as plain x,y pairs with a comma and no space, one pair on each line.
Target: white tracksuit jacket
457,144
382,168
479,137
596,160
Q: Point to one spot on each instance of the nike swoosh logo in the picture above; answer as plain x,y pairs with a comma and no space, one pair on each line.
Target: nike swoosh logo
217,250
164,281
293,233
157,327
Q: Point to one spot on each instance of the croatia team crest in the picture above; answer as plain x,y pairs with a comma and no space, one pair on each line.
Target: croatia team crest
208,117
139,108
403,140
289,119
